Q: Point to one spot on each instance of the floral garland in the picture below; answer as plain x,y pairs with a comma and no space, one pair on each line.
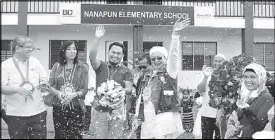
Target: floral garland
224,86
113,97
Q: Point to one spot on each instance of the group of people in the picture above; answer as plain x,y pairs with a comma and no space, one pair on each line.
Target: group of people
159,110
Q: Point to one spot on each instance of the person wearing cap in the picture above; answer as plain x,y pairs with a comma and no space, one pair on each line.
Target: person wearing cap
144,63
157,103
208,114
25,108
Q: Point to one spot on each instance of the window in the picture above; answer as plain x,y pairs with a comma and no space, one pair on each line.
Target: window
6,50
152,2
264,53
197,54
55,46
148,45
116,1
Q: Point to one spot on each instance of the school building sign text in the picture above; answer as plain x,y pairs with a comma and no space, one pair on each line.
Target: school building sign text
134,14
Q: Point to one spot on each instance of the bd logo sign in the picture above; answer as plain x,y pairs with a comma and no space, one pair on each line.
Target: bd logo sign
70,13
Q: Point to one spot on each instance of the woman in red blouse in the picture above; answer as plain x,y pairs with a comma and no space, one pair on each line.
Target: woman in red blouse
69,82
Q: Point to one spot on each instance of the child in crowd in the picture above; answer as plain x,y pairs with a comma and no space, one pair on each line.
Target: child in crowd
187,113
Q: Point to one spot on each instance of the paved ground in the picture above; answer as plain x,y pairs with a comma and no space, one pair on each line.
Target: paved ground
50,129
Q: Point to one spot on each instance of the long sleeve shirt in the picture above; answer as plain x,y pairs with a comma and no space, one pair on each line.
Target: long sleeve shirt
173,57
80,81
171,69
259,106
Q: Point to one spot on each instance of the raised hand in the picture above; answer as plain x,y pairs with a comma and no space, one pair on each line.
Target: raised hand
207,70
179,97
179,25
99,33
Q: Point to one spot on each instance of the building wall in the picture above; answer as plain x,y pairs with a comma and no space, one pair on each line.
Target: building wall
228,40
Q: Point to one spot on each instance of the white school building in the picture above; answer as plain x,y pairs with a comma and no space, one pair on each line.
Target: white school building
221,29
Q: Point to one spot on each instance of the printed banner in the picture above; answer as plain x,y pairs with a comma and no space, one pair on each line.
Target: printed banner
134,14
204,16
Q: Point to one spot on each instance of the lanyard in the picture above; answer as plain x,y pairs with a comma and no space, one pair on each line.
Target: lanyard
20,72
110,77
71,75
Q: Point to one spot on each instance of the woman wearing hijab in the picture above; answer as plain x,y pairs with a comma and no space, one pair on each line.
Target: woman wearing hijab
157,102
69,82
255,101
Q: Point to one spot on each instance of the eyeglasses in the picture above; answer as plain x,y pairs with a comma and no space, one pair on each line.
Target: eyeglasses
158,58
142,67
28,47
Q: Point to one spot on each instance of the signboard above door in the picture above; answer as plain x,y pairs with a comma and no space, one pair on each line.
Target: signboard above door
123,14
134,14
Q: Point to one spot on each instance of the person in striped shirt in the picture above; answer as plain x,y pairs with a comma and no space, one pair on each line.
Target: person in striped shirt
186,112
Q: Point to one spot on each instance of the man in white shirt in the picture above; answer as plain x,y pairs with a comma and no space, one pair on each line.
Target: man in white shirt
25,108
208,113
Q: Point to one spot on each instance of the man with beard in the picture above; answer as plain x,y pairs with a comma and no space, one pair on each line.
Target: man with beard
208,113
105,127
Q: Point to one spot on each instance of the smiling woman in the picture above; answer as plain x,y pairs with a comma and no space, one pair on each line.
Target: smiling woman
69,82
251,79
259,101
54,48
